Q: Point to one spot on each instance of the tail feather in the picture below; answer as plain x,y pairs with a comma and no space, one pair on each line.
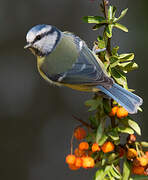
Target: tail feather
127,99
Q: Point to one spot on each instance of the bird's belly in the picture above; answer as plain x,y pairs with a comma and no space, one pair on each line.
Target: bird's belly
79,87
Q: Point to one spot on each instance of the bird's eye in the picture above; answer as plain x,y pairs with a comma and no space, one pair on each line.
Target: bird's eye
38,37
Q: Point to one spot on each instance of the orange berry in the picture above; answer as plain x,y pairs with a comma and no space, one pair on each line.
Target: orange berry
70,159
131,153
88,162
79,153
83,146
79,133
146,153
121,112
78,162
108,147
138,170
143,160
73,167
113,111
136,162
95,147
131,138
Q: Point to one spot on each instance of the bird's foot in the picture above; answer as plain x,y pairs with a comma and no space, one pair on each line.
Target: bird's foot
96,50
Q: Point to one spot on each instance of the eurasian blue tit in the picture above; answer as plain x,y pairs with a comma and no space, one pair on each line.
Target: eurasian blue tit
64,59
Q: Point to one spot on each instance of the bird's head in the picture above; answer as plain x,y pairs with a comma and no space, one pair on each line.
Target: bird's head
42,39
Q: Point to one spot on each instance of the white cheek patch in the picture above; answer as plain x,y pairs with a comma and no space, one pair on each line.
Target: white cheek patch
47,43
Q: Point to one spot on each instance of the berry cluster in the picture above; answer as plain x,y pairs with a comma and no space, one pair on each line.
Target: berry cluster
140,162
120,112
137,157
91,153
83,155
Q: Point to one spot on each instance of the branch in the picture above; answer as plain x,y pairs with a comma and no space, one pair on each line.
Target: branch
83,122
105,5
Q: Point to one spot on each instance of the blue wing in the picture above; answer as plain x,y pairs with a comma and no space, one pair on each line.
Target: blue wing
85,70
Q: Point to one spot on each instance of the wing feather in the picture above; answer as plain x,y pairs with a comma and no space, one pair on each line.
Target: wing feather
85,70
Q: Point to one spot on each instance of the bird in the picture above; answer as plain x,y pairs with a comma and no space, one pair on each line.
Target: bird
64,59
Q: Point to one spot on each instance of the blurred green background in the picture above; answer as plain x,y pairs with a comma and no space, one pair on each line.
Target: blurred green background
35,118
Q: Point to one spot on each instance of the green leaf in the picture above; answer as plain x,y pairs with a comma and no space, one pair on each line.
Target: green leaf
94,19
90,102
126,57
114,134
90,137
97,26
114,61
103,161
100,130
115,50
125,130
121,27
93,120
131,66
115,172
102,140
109,30
93,103
110,176
114,12
107,106
134,126
101,44
112,157
108,168
111,12
123,13
117,142
99,175
128,66
139,177
126,170
119,77
144,144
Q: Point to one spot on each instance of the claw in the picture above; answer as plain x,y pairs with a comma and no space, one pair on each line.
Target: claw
96,51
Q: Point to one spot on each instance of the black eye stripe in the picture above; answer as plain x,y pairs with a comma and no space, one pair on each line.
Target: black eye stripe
38,37
40,52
